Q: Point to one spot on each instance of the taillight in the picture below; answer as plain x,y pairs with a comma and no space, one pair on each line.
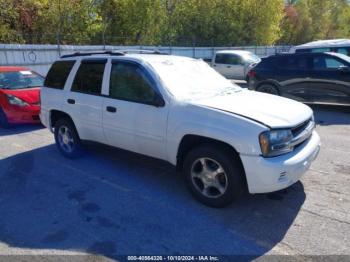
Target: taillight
251,73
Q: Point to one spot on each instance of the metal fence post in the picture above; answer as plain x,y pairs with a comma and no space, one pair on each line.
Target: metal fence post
58,44
194,47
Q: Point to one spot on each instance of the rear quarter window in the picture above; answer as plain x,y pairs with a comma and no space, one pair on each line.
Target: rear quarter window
58,74
266,63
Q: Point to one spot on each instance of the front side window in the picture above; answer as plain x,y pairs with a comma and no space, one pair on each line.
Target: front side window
89,77
228,59
129,82
20,79
58,74
322,63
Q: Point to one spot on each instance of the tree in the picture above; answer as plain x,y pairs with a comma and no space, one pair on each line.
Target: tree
132,21
228,22
308,20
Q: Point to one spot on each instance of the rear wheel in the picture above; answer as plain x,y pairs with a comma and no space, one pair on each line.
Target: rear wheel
67,138
269,89
214,175
3,119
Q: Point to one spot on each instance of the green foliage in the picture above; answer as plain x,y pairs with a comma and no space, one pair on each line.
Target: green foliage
173,22
307,20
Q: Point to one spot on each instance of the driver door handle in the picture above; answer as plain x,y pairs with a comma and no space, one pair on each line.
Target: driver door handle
111,109
70,101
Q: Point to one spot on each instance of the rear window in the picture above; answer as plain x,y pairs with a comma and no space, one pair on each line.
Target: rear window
58,74
266,62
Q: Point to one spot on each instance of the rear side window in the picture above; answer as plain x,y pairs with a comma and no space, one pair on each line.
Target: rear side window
293,62
58,74
303,51
89,77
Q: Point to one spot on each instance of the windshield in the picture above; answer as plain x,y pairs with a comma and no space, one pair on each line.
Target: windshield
20,80
252,58
190,79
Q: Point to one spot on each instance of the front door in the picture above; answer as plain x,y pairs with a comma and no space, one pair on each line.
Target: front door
130,119
330,80
293,74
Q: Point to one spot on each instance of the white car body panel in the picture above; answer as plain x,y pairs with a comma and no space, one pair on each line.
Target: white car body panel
273,111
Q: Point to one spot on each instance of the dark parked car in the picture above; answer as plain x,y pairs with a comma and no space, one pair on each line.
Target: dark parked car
306,77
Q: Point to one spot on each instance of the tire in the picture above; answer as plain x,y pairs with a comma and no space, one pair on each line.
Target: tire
221,182
3,119
67,138
269,89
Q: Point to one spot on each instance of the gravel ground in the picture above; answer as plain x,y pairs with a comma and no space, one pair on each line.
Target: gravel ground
111,202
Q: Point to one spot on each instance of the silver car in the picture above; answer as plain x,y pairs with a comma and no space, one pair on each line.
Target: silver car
234,64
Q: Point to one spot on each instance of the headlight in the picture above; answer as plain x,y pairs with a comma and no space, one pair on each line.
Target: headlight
16,101
276,142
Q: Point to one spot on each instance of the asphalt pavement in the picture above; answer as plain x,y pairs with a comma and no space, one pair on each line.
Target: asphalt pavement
110,202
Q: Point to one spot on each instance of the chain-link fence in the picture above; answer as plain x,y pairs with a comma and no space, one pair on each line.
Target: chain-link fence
41,51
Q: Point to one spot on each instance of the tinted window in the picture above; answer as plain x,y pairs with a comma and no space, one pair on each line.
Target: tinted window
20,79
343,50
58,74
292,62
129,82
321,62
229,59
303,51
321,50
89,77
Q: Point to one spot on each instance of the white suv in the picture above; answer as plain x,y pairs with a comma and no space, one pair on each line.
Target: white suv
224,139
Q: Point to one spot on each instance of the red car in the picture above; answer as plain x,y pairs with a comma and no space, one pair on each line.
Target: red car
19,95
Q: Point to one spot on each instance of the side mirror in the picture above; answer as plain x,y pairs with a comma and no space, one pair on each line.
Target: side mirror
158,101
344,69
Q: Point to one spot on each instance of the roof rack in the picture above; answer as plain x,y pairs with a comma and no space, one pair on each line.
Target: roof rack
143,51
115,53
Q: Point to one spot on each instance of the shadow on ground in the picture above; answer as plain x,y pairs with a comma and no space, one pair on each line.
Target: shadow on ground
111,202
331,115
19,129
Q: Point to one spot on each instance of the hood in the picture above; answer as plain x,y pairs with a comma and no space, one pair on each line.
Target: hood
29,95
273,111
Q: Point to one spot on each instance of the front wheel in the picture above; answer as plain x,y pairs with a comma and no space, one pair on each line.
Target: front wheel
67,138
214,175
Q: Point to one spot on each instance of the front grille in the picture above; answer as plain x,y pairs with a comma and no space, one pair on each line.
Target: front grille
299,128
302,132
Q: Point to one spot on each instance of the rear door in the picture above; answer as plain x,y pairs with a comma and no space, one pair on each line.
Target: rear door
229,65
330,80
84,101
293,74
131,118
